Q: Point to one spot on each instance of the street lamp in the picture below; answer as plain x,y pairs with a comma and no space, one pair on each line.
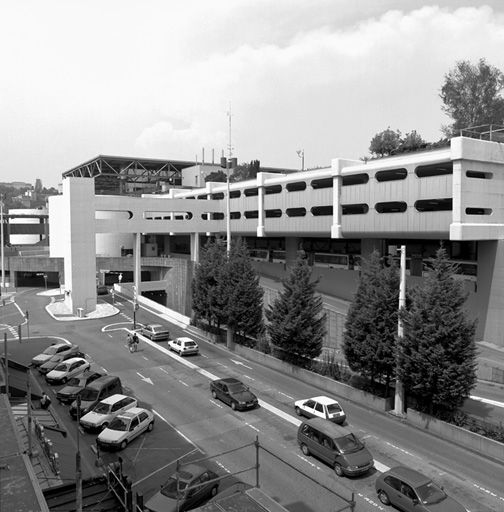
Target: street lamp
300,154
2,283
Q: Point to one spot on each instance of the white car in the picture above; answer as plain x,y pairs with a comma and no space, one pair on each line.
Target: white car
105,411
320,407
67,369
183,346
52,350
125,427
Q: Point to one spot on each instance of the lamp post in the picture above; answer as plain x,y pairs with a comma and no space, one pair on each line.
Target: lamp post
300,154
2,284
399,388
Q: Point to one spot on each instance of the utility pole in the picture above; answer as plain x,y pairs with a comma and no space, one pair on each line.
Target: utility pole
399,388
6,363
28,405
2,284
78,470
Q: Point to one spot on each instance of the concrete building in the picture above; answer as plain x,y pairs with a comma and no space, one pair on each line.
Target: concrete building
335,215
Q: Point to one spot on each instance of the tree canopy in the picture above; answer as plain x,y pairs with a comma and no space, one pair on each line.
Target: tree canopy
472,95
437,356
296,322
371,325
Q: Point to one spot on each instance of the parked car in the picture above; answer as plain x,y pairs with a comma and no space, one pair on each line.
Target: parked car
195,483
335,445
105,411
320,407
233,393
75,385
101,289
56,348
155,332
67,369
58,358
125,427
183,346
101,388
409,490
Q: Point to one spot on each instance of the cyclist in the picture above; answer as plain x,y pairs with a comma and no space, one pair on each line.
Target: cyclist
133,342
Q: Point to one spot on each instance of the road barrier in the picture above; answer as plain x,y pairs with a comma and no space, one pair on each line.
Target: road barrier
47,447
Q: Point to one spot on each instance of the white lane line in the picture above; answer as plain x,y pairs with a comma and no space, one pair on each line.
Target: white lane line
182,382
247,377
176,429
215,403
165,371
146,358
287,396
252,427
487,401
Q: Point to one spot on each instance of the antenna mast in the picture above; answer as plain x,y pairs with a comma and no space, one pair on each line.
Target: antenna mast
230,145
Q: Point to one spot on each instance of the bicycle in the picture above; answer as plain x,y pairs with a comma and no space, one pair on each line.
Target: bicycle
132,343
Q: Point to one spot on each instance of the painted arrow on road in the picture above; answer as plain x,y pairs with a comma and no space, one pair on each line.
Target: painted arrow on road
145,379
242,364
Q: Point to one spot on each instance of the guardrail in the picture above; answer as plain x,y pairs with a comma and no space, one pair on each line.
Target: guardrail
47,447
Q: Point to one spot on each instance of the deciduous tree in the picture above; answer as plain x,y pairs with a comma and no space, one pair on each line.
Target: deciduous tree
385,143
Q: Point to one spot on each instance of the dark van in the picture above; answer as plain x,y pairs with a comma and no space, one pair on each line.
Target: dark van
93,393
335,445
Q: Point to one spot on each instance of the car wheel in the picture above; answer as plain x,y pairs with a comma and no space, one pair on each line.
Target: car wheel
64,380
123,445
214,394
233,406
214,490
298,410
383,497
150,426
338,469
305,450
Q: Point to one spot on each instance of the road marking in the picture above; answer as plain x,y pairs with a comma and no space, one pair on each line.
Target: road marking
223,467
165,371
247,377
370,501
145,379
252,427
182,382
241,364
146,358
487,401
287,396
215,403
176,430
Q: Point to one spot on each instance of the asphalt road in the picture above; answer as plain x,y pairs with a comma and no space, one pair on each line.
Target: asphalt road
198,426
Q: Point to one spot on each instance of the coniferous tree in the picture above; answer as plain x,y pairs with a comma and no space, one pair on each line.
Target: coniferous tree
437,357
207,301
371,324
296,322
242,293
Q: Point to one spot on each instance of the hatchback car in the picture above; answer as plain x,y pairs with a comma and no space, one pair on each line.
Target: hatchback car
125,427
105,411
183,346
320,407
234,393
67,369
195,483
50,351
75,385
101,289
409,490
58,358
155,332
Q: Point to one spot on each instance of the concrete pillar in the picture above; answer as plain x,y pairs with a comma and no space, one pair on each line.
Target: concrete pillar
336,165
195,247
260,204
137,277
78,224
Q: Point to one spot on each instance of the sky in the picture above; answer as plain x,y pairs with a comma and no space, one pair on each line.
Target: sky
158,78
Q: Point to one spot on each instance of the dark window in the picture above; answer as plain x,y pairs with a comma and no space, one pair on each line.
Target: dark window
480,175
394,482
235,215
425,171
202,196
233,194
322,183
318,407
204,216
192,197
251,191
218,216
273,213
295,212
354,209
434,205
391,175
296,186
218,195
478,211
273,189
251,214
322,210
391,207
355,179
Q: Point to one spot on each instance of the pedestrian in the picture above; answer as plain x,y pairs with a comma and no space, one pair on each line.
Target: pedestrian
45,401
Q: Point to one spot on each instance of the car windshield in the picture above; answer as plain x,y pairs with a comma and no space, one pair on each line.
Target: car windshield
73,381
348,444
119,424
237,388
51,350
170,488
332,408
61,368
190,343
102,408
89,395
430,493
